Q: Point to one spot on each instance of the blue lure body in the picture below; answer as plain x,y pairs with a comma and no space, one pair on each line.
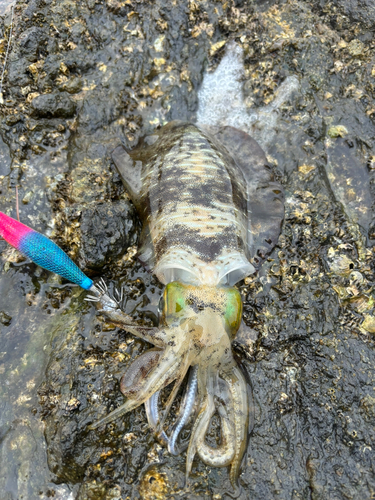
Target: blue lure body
48,255
41,250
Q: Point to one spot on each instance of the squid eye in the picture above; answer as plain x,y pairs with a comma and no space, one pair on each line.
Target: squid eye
233,310
173,302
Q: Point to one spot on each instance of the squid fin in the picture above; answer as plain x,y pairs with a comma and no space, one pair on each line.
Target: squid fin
265,195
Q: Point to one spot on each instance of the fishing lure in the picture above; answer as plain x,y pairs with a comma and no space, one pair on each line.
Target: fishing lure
45,253
211,213
41,250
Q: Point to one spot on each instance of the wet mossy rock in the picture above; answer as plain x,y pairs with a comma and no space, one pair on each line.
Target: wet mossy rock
106,231
361,11
55,105
31,42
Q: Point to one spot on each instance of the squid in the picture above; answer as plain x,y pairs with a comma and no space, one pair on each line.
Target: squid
211,213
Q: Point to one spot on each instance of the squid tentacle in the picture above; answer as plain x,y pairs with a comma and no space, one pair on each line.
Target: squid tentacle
206,390
156,336
200,428
152,413
138,370
186,410
163,374
185,363
187,406
222,455
238,389
130,386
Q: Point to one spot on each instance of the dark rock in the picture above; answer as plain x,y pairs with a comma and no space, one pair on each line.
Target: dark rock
78,61
32,9
52,64
107,230
30,43
53,46
56,105
17,75
5,159
361,11
73,86
96,112
77,30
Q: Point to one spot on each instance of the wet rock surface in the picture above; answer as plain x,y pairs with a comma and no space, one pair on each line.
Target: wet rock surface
123,69
57,105
105,231
362,11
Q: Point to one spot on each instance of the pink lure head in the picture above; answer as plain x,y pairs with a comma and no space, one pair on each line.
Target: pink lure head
13,231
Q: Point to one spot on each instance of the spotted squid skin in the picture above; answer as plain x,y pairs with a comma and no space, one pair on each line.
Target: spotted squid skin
195,205
193,198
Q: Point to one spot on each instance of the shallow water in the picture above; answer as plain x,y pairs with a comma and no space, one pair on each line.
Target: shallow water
121,71
5,6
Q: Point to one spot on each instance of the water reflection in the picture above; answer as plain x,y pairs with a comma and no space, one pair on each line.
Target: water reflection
6,5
